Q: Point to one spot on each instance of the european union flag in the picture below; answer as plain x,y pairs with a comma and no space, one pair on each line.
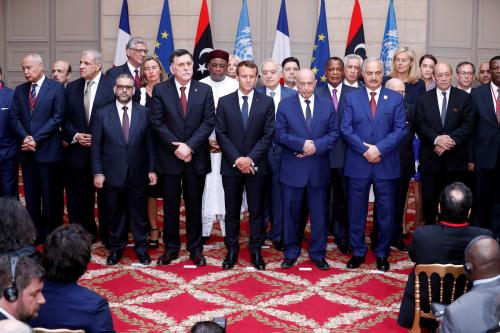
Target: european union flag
321,48
390,43
243,42
164,45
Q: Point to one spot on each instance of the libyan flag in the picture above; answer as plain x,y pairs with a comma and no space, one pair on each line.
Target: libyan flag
356,37
203,44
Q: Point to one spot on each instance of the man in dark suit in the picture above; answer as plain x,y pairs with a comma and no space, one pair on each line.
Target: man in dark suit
444,122
307,129
273,204
123,164
36,116
83,96
475,310
373,126
244,129
182,119
9,159
484,149
335,91
441,243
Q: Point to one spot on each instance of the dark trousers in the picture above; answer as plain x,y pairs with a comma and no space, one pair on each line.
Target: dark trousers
233,190
338,206
358,190
275,194
317,201
127,208
432,185
8,177
44,194
191,186
488,198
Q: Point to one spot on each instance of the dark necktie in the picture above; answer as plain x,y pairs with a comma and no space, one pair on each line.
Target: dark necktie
33,96
125,123
373,104
444,105
308,113
498,106
335,99
184,101
137,80
244,111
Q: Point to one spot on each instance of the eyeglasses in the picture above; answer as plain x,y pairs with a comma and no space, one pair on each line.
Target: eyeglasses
465,73
144,51
120,87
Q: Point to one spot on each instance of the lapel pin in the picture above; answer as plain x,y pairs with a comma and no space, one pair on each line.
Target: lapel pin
385,96
195,89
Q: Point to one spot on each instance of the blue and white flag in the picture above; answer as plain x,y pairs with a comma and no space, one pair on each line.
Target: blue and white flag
164,44
123,37
390,43
321,48
243,43
281,49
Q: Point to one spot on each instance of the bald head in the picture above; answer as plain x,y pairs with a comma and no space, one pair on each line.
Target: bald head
306,82
396,85
483,254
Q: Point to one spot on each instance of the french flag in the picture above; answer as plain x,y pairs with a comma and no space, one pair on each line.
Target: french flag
123,37
281,49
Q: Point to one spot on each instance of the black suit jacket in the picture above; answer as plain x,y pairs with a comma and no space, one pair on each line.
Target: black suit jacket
236,141
434,244
458,125
122,162
406,147
484,146
43,123
78,156
169,125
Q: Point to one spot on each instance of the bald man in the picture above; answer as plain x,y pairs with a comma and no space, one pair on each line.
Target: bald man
306,128
475,310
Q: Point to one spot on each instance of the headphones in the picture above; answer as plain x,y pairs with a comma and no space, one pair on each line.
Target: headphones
10,293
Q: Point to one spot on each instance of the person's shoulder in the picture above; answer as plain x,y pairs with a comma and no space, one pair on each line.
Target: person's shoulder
78,83
226,98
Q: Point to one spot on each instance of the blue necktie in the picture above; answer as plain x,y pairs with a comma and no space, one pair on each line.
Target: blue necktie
244,111
308,113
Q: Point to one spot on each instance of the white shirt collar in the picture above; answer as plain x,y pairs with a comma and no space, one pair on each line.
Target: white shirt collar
439,92
132,69
250,95
339,88
119,106
355,84
95,79
276,90
6,314
483,281
39,82
494,88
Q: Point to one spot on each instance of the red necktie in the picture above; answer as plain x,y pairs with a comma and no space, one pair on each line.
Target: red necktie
498,106
137,81
125,123
373,104
184,101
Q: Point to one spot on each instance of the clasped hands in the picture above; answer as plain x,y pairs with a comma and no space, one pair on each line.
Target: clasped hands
28,144
372,155
84,139
183,151
443,143
245,165
308,149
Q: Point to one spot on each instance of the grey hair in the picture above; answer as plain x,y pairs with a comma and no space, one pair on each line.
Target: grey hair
353,56
95,54
36,58
370,60
270,60
134,41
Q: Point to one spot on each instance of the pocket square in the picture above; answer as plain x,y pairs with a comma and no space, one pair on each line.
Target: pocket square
5,108
455,109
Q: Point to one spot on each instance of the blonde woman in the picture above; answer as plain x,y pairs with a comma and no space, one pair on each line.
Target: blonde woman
231,66
404,68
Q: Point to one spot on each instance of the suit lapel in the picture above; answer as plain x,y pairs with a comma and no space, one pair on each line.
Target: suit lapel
174,96
192,95
237,111
39,97
135,120
114,118
435,113
254,108
381,105
365,101
298,112
489,110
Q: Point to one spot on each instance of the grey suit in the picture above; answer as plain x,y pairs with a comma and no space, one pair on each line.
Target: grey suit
474,311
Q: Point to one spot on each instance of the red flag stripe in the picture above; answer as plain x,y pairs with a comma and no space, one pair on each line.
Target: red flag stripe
203,22
356,21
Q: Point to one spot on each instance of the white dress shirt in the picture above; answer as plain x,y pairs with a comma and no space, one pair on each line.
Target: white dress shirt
303,105
249,100
119,107
178,86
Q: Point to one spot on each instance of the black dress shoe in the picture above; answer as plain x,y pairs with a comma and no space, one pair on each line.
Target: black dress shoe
230,260
288,263
258,262
278,245
144,258
198,259
114,257
167,257
400,245
321,264
382,264
355,262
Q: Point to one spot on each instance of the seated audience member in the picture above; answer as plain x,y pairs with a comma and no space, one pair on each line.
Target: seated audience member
206,327
14,326
21,282
442,243
69,305
475,310
17,231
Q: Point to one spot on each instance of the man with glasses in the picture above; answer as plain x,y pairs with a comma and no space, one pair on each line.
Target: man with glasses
465,76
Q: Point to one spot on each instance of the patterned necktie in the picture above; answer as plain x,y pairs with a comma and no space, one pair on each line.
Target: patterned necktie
272,94
308,113
373,104
444,105
498,106
137,81
86,100
184,101
125,123
335,99
33,96
244,111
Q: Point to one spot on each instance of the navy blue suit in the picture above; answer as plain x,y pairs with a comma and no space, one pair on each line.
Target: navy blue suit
338,196
310,174
484,151
386,131
126,165
72,306
273,204
80,190
41,168
8,146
